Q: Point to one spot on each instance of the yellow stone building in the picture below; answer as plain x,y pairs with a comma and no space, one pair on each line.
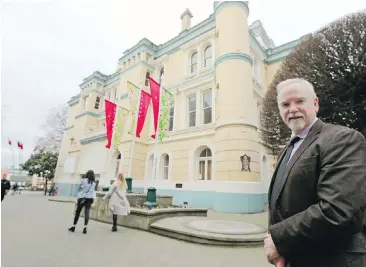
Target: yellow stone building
218,72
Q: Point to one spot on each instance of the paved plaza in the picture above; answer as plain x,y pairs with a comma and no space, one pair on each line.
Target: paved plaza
34,234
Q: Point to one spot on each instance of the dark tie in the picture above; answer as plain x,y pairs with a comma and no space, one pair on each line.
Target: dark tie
281,171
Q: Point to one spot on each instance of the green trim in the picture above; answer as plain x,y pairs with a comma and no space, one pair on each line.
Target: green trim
68,128
97,138
275,60
219,5
88,113
74,100
230,56
138,63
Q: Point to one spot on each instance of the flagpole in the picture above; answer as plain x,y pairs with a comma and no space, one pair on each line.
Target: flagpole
19,159
156,138
12,156
132,148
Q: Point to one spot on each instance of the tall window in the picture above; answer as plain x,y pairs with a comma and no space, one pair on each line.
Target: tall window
194,62
192,111
166,167
208,57
97,101
161,76
205,165
171,115
147,78
207,107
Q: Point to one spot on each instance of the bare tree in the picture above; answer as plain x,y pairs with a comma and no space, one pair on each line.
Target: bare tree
334,61
54,129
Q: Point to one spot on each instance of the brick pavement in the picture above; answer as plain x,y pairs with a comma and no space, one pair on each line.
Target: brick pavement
34,234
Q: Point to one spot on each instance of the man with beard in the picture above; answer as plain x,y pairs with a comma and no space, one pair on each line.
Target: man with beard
317,197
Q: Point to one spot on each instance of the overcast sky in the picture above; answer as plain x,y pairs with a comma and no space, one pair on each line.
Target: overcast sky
48,47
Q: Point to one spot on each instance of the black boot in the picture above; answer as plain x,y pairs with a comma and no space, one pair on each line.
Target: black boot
84,231
114,228
72,229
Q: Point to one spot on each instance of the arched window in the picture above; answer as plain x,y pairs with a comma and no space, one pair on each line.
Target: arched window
194,62
205,165
208,57
166,167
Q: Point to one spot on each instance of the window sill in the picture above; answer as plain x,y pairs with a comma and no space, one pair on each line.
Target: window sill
205,69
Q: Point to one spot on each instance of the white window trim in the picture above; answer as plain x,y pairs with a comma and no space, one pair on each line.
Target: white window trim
201,106
195,94
191,63
204,56
159,164
188,63
194,159
205,160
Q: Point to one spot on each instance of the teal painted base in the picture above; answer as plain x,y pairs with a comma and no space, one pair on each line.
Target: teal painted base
137,189
217,201
67,189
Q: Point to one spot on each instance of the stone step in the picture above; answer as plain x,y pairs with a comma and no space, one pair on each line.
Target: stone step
207,231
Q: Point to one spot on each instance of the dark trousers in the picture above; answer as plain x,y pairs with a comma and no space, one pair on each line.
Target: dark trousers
86,205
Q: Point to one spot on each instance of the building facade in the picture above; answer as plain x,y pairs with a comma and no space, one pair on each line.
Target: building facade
218,72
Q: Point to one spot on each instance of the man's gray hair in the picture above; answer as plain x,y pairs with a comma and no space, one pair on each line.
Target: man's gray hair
304,83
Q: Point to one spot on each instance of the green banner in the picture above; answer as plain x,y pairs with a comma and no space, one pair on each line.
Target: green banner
166,99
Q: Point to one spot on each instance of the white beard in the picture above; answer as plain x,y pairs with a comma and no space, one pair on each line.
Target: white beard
296,125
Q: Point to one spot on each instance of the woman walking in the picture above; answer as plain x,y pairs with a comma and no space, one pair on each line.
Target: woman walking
85,199
118,203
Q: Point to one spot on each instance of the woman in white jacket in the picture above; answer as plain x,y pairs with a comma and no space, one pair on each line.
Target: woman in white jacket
118,203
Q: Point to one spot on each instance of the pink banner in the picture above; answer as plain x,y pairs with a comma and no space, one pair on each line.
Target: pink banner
144,105
155,98
110,114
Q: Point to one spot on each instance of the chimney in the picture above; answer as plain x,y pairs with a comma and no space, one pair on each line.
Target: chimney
186,19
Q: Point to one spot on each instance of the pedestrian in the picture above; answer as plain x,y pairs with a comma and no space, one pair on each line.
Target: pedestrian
85,199
5,186
118,203
317,197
